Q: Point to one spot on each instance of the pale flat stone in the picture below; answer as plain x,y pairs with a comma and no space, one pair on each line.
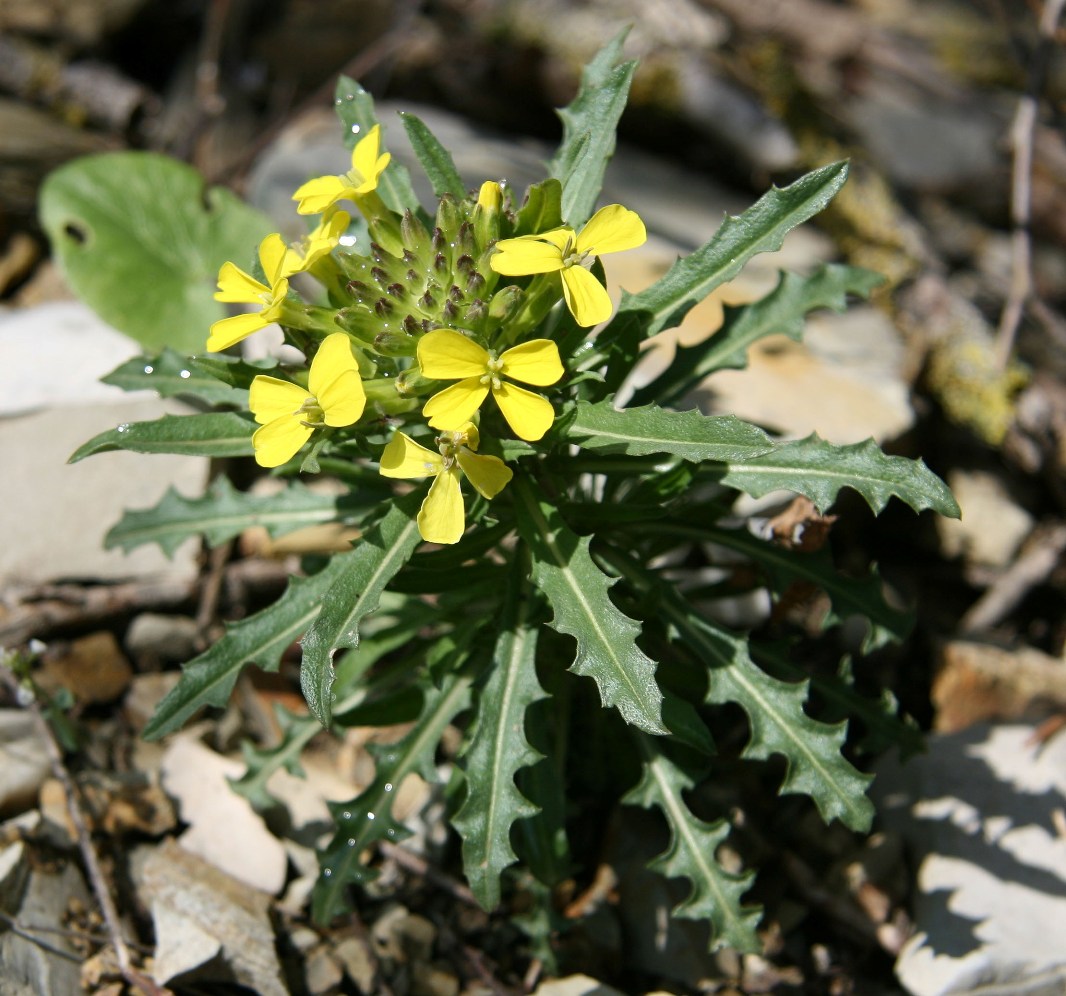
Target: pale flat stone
993,525
224,830
23,761
575,985
981,811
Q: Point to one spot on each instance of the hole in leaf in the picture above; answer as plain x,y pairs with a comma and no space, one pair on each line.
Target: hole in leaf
77,233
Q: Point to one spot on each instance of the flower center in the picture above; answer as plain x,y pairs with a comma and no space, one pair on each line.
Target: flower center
311,410
572,257
448,445
493,369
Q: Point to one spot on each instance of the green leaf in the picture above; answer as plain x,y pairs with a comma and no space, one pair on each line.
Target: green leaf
542,210
577,590
141,241
499,749
716,894
640,431
355,108
172,374
224,512
848,596
261,639
762,228
435,159
589,124
380,553
818,470
782,311
368,817
214,434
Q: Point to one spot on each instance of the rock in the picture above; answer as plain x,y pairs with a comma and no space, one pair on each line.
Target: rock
145,694
993,524
54,356
208,925
24,761
981,811
224,830
322,972
92,668
574,985
358,960
154,639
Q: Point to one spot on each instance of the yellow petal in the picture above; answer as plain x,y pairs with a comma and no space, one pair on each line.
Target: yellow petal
446,355
534,362
228,332
450,408
405,458
272,257
488,474
319,242
528,414
612,229
442,517
237,287
527,254
270,398
470,435
586,297
367,163
334,356
318,194
490,196
343,400
278,442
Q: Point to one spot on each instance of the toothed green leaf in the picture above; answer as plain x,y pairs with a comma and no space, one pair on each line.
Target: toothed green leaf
217,434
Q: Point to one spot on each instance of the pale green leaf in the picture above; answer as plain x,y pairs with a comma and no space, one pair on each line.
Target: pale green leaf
577,591
782,311
213,434
435,159
224,512
639,431
818,470
377,557
542,209
141,241
589,124
498,750
260,639
368,817
715,894
171,374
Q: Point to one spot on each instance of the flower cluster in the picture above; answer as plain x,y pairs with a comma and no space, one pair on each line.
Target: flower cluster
437,316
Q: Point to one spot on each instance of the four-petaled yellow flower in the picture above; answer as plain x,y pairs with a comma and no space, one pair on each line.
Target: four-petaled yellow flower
368,163
237,287
446,355
442,517
288,414
319,242
611,229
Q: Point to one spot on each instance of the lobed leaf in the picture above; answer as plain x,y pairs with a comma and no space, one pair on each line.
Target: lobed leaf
260,639
542,209
499,749
639,431
715,894
212,434
577,590
819,469
224,512
172,374
761,228
782,311
140,239
589,124
436,160
354,594
355,108
368,817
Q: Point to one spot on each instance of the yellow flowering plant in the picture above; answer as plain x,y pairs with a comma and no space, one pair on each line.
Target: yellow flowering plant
526,511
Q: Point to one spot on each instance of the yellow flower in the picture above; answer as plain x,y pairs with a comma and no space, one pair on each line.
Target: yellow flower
368,163
288,414
611,229
447,355
442,517
317,243
237,287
